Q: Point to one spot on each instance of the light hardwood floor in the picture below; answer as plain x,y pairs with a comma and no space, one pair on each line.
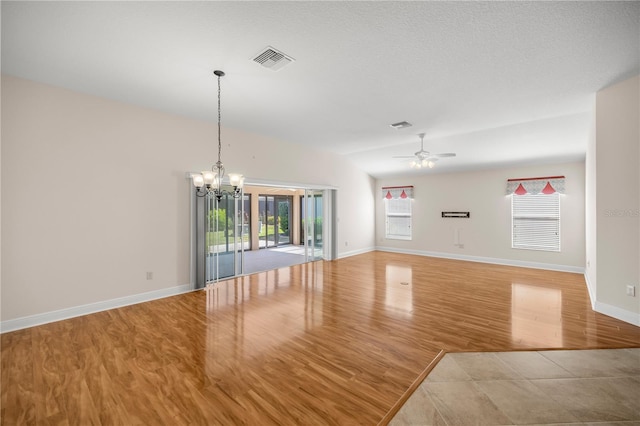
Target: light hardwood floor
320,343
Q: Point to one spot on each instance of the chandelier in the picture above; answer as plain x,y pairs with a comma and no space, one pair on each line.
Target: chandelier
210,182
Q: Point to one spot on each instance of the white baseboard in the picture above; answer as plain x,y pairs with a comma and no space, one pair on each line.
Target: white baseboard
592,291
617,313
76,311
355,252
610,310
491,260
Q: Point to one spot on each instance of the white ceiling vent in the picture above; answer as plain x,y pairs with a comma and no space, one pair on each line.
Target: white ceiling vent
272,58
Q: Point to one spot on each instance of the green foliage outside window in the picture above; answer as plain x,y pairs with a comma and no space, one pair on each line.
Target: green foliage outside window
224,228
219,216
283,218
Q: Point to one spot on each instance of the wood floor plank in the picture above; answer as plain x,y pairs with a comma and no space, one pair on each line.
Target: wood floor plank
320,343
17,380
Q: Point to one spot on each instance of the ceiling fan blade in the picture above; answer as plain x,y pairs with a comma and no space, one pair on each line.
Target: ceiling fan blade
444,154
404,156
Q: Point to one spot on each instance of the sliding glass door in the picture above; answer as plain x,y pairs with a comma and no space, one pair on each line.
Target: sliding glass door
274,220
312,210
224,230
226,238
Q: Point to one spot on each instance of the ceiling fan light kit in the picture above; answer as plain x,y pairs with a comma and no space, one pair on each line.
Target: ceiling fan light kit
424,159
418,164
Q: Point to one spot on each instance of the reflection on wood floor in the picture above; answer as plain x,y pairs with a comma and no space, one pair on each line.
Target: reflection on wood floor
318,343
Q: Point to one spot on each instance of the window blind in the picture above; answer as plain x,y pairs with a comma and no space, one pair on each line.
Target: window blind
398,215
536,222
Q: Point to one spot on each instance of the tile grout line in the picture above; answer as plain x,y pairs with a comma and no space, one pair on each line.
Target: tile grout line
555,363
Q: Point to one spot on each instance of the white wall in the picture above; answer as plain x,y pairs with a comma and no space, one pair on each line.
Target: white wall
617,214
591,266
0,200
94,195
487,233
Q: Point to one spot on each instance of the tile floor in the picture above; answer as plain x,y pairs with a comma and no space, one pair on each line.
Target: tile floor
577,387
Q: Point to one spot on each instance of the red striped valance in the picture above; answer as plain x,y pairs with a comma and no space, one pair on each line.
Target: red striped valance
395,192
537,185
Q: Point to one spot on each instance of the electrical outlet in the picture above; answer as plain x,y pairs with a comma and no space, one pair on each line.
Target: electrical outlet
149,275
631,290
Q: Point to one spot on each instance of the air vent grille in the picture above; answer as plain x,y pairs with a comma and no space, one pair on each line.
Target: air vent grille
401,125
272,58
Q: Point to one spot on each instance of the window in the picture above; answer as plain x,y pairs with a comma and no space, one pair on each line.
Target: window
398,218
536,221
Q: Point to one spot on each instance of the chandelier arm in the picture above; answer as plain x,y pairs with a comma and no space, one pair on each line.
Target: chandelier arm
218,193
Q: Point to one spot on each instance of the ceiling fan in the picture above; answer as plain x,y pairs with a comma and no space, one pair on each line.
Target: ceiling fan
424,158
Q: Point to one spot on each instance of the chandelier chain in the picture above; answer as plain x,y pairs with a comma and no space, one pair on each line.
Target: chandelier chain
219,119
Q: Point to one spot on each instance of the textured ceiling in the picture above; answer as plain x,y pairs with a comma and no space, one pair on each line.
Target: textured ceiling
499,83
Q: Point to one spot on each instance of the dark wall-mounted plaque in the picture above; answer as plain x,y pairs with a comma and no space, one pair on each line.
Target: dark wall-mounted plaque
456,214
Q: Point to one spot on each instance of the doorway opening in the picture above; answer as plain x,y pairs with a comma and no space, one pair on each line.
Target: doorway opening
267,227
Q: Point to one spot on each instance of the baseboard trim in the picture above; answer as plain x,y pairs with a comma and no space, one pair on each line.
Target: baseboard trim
591,290
491,260
610,310
617,313
355,252
76,311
